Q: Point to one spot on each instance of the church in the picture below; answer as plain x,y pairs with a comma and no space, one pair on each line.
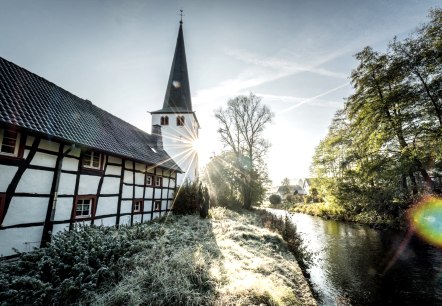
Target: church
65,161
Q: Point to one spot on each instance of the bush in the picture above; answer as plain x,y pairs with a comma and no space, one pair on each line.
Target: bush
275,199
191,198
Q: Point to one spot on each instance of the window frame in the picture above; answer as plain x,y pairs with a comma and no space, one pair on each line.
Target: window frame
92,211
155,202
164,120
160,181
90,166
180,121
141,209
151,180
18,151
2,207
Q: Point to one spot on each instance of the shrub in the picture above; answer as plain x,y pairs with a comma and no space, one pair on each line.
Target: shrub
191,198
275,199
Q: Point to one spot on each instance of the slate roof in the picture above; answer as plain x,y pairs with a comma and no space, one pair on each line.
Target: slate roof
178,90
37,105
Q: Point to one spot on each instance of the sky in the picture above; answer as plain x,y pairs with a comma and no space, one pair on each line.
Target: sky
296,55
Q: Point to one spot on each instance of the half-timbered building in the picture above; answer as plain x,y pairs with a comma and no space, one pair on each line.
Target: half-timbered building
64,160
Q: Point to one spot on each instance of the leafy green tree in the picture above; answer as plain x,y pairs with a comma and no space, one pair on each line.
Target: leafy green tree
384,147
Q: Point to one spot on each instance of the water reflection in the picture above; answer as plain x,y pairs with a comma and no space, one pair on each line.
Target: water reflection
358,265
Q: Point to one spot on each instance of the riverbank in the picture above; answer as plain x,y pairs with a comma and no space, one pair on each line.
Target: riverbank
370,218
228,259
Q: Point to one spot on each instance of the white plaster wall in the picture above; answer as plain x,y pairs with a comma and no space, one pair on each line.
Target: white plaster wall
170,194
165,181
107,206
26,210
111,185
43,159
128,164
149,192
82,222
164,205
35,181
111,221
63,209
138,192
126,207
128,177
114,160
150,169
66,185
6,175
49,145
146,217
140,167
113,170
59,228
139,178
127,191
88,184
75,152
156,215
29,140
137,219
17,238
124,220
69,164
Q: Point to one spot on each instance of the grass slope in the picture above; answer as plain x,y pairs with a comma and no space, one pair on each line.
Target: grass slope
228,259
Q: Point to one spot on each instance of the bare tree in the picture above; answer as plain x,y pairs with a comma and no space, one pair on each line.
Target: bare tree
241,129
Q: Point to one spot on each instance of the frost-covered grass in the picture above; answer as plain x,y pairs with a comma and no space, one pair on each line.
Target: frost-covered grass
228,259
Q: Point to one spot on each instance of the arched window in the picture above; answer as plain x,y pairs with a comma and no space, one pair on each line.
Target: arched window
164,120
180,120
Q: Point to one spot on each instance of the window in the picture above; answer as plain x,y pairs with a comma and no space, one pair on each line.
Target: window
149,180
137,206
9,142
158,181
180,120
91,160
2,206
157,206
84,207
164,120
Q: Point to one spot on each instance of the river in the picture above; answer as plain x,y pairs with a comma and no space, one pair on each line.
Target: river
356,265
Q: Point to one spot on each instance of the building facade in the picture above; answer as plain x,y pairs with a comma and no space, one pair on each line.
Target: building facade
64,161
178,121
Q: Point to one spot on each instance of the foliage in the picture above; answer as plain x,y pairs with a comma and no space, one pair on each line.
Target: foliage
178,260
191,197
285,227
241,129
285,187
275,199
383,149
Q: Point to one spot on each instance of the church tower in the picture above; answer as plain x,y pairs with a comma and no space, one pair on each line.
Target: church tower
176,120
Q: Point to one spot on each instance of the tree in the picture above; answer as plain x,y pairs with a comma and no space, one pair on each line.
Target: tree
383,149
285,187
241,129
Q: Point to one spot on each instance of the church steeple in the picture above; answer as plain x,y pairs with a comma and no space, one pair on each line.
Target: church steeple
178,91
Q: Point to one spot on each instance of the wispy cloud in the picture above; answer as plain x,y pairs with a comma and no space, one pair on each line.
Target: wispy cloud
305,101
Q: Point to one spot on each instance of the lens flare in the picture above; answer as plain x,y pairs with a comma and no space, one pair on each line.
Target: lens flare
426,220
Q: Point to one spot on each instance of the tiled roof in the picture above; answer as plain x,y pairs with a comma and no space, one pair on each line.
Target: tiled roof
33,103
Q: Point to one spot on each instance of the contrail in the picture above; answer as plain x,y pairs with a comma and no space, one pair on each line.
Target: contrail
313,98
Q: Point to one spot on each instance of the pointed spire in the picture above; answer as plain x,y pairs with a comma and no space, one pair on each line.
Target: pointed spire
178,90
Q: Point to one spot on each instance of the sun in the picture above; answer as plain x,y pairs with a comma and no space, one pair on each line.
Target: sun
196,145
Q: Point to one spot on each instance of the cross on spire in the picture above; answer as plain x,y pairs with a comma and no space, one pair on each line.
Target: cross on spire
181,16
